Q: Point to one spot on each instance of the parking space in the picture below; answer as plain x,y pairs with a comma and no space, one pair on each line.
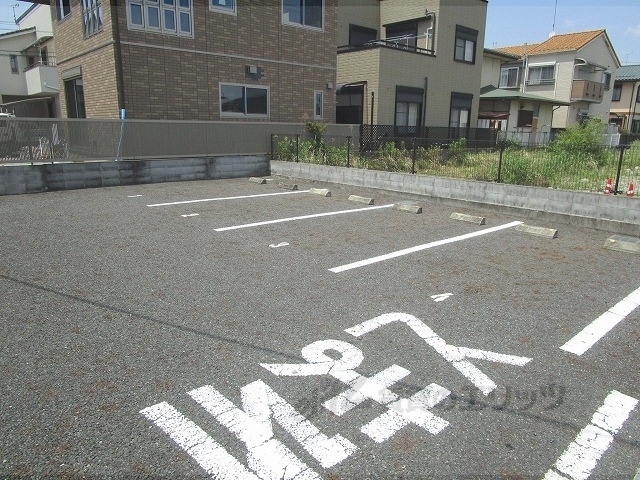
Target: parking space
230,329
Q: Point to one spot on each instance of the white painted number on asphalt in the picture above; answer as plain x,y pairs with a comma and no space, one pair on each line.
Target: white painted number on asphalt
441,297
278,245
457,356
401,411
252,424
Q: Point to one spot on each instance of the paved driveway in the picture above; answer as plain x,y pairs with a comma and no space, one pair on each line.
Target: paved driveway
229,329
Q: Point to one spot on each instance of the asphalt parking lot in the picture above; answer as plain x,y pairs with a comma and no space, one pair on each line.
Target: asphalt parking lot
229,329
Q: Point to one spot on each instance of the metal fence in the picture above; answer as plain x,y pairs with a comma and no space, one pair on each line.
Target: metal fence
78,140
505,162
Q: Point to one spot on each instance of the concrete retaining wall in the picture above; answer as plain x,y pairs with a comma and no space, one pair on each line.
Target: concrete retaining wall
64,176
617,214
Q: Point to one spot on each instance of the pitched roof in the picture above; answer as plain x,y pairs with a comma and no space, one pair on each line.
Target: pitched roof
628,72
566,42
490,92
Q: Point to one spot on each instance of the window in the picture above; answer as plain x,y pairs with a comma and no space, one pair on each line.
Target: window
408,106
509,77
466,39
74,94
244,100
91,16
403,34
308,13
13,61
541,74
63,8
617,92
460,114
606,79
360,35
170,17
223,6
318,97
525,118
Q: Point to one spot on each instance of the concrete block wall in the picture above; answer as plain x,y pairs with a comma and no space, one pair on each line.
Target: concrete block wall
617,214
66,176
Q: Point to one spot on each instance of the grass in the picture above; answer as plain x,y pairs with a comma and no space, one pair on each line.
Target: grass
540,166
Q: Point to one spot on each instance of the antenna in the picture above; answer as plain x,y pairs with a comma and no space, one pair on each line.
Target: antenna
14,12
553,28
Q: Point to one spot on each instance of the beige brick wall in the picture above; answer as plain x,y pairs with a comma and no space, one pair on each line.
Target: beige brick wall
96,57
170,77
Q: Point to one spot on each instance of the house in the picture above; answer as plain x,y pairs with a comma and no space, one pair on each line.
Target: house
28,73
197,60
576,68
518,115
409,63
625,102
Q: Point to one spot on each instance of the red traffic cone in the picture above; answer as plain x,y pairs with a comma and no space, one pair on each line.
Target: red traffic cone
608,187
631,190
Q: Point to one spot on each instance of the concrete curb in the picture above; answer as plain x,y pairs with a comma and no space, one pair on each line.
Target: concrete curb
359,199
616,214
538,231
468,218
623,244
323,192
407,207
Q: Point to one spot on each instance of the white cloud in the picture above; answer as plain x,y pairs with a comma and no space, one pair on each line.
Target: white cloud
635,31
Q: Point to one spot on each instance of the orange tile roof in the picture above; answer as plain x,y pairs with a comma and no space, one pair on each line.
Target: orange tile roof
566,42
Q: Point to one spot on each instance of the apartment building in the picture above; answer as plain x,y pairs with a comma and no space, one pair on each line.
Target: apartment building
625,101
410,63
259,60
577,68
28,73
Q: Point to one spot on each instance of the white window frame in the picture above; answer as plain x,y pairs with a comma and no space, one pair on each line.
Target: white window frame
302,24
229,10
160,6
318,94
92,21
244,114
541,81
506,71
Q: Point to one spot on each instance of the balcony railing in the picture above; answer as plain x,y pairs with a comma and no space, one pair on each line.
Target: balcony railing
587,91
397,45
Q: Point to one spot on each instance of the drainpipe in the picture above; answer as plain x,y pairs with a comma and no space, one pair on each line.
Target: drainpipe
115,25
424,102
632,112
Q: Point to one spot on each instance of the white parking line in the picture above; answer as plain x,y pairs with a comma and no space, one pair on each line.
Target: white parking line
582,455
225,198
407,251
597,329
303,217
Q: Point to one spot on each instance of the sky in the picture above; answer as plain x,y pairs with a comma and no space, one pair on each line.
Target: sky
515,22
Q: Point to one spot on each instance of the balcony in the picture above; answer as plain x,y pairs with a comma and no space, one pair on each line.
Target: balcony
395,45
587,91
42,79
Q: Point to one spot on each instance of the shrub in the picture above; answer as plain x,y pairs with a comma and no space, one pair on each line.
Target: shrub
284,148
317,130
458,150
581,143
